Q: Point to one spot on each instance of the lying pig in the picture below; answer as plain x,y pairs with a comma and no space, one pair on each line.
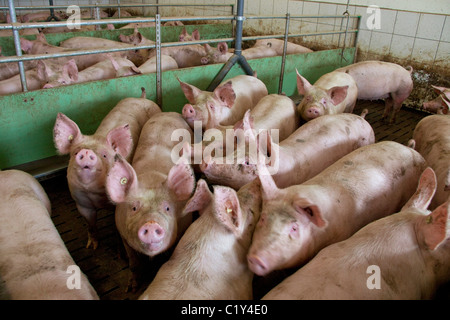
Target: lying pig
219,54
149,66
151,194
332,93
209,262
311,148
106,69
297,222
91,156
34,261
382,80
136,38
432,141
403,256
185,36
35,78
186,56
228,102
441,104
136,56
278,45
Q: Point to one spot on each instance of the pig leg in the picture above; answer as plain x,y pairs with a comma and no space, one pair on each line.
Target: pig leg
388,103
136,268
90,215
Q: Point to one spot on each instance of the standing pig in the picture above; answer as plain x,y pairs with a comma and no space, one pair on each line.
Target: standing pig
409,251
297,222
34,261
382,80
441,104
209,262
311,148
332,93
432,141
91,156
227,103
151,194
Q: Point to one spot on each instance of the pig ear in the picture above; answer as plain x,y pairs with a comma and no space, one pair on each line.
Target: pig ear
43,71
303,85
183,32
70,70
121,179
312,212
434,228
25,45
181,180
191,92
196,35
227,208
120,140
222,47
201,198
207,47
226,94
65,133
425,191
437,89
337,94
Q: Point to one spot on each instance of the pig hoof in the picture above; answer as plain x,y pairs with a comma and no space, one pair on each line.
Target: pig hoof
132,286
92,242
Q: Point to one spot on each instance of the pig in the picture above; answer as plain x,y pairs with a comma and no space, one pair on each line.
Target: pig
42,16
106,69
432,141
137,39
92,156
441,104
298,221
409,251
34,261
228,102
173,23
213,55
332,93
151,192
36,79
136,56
382,80
149,66
185,36
278,45
186,56
209,262
138,25
306,152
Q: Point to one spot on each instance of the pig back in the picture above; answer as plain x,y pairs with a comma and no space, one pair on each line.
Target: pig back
33,258
433,143
132,111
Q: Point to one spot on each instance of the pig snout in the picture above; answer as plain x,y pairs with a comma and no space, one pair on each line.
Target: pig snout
86,158
312,113
204,60
151,233
257,265
188,111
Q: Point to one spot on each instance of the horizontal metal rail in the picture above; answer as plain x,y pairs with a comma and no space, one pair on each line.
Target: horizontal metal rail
127,5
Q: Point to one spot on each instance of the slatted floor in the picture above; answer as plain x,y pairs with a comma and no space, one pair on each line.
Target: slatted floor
108,272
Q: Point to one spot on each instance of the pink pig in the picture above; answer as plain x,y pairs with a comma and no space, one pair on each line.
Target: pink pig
151,194
306,152
403,256
227,103
34,261
185,36
382,80
297,222
432,141
210,260
91,156
441,104
332,93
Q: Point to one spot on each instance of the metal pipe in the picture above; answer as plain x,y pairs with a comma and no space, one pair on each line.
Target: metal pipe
356,39
87,6
223,72
283,59
158,61
238,43
12,13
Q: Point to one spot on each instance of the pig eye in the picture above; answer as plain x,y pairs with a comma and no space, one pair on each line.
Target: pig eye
135,206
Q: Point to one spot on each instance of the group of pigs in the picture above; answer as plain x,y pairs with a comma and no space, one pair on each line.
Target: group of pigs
338,204
56,72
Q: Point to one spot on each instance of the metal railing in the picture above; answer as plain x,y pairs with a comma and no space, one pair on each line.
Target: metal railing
239,18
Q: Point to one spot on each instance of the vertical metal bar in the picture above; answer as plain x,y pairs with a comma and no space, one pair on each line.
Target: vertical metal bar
118,8
356,38
12,13
283,60
157,7
238,43
97,16
158,61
